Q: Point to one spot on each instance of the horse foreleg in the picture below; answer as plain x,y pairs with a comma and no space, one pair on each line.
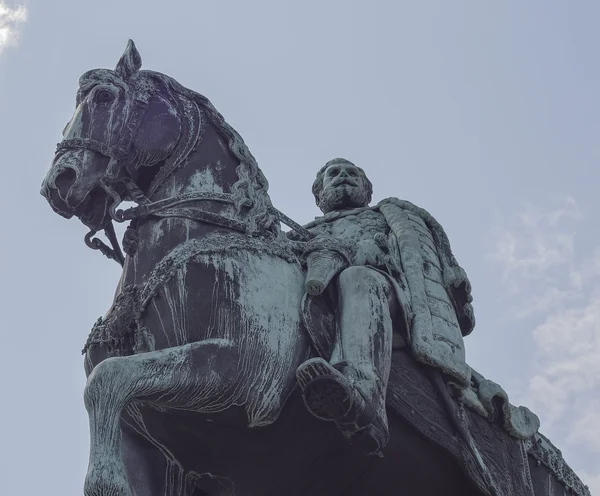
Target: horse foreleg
196,376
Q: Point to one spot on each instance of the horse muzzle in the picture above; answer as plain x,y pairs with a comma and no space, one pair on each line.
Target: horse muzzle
72,185
55,189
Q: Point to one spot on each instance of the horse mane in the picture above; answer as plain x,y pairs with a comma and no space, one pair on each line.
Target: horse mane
250,191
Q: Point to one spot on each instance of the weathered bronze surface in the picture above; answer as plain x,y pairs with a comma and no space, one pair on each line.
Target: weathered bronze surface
238,360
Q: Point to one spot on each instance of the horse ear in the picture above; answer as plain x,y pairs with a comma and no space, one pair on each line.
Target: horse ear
130,62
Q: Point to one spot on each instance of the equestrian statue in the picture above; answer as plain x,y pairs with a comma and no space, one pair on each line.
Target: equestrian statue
238,359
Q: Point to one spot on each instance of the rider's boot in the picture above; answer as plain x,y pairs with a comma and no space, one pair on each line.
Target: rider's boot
340,393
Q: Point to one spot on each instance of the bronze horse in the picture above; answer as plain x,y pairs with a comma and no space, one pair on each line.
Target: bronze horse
191,384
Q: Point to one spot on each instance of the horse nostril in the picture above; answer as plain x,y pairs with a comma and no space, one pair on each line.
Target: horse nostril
65,180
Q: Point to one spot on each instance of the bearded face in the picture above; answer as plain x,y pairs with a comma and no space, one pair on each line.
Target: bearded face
344,187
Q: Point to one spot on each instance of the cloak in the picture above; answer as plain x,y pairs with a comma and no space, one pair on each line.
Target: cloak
438,288
435,294
440,301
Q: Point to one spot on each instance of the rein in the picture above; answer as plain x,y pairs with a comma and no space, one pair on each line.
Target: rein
175,207
170,207
115,253
117,153
165,208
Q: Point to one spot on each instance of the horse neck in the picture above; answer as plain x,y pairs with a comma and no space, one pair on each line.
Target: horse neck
210,167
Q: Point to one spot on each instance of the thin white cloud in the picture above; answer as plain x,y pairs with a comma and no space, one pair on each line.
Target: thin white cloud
537,243
11,22
586,430
567,384
547,299
558,291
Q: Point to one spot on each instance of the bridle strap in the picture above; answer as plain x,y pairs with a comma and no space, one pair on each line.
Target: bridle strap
188,140
117,154
174,207
111,151
109,230
284,219
156,206
204,217
165,208
122,149
132,123
113,253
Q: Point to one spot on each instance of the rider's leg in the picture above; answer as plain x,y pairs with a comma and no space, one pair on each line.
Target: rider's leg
352,391
366,306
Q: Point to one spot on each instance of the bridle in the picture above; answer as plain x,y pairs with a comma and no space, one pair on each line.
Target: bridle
119,155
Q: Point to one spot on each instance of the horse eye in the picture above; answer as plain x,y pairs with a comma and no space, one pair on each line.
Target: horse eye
104,96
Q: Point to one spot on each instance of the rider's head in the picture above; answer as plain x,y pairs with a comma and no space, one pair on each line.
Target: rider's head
341,185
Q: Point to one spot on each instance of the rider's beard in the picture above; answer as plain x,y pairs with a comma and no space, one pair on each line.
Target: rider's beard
342,197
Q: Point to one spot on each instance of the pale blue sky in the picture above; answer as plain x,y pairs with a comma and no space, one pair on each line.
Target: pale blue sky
485,113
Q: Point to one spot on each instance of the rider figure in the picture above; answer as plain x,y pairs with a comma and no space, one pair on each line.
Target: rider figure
350,388
388,274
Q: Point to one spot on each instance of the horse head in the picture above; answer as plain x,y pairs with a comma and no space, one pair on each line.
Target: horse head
126,125
133,129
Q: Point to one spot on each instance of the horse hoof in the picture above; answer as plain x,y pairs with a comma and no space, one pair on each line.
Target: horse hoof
326,392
